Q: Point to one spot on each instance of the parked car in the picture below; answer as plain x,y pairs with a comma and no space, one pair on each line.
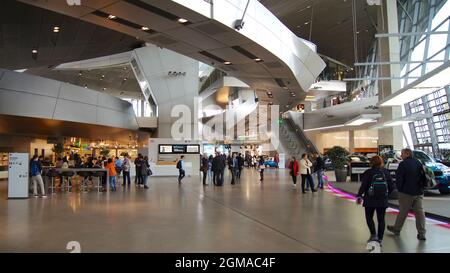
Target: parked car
270,162
357,165
438,174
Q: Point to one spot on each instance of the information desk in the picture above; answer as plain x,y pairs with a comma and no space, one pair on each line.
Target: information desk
76,170
169,169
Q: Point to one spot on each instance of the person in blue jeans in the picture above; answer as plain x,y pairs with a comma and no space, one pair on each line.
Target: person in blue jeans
318,169
126,170
111,167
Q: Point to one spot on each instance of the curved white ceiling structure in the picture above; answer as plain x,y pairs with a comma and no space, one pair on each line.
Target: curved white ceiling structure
264,53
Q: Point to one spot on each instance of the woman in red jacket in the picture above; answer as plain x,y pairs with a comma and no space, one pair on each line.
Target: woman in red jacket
294,168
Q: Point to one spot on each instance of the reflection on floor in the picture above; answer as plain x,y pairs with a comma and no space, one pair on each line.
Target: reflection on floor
246,217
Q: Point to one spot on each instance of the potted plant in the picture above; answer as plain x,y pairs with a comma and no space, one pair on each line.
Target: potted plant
338,156
58,149
104,152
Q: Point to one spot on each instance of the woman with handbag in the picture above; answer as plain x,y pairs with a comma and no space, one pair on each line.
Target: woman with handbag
305,171
294,168
145,171
261,168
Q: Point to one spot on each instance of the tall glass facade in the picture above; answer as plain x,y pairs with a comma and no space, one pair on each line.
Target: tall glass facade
422,54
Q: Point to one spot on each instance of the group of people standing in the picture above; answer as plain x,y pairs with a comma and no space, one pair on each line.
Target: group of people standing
306,168
214,167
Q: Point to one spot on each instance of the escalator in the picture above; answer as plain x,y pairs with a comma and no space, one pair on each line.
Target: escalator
293,140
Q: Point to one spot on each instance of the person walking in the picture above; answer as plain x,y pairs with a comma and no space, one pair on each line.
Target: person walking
305,171
145,171
261,167
204,168
277,160
180,167
411,180
318,169
234,169
241,166
376,185
294,168
126,170
36,177
110,166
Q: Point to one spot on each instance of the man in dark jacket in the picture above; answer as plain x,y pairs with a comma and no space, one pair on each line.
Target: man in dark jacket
138,165
318,169
219,168
241,165
411,181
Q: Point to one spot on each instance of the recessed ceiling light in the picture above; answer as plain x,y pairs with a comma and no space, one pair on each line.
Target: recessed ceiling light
227,63
34,51
124,79
103,76
111,17
145,28
306,23
104,88
55,29
182,20
257,60
80,74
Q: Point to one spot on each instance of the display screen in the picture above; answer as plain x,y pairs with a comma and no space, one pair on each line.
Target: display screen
179,149
192,149
165,149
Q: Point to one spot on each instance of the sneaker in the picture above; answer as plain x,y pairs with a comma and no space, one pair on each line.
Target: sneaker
421,237
307,189
146,187
304,192
314,190
373,238
294,186
44,196
36,196
393,230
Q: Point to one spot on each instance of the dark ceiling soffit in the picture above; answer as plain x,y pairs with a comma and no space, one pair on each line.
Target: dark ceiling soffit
214,57
122,21
280,82
155,10
244,52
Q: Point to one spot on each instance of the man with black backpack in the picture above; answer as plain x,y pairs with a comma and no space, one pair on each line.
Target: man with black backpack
374,191
411,181
180,167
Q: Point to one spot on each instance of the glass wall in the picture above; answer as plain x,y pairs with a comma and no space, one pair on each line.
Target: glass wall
422,54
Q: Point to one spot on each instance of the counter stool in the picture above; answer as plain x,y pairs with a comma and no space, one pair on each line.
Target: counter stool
68,175
51,174
84,183
98,175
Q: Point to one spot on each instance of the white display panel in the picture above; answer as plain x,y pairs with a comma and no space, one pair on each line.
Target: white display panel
192,149
18,181
165,149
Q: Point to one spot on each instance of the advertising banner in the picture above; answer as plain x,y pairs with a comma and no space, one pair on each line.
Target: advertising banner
18,181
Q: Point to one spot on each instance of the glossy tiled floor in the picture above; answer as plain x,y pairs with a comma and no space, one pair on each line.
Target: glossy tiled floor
247,217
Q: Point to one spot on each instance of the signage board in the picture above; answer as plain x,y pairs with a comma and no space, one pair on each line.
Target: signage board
18,180
179,149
